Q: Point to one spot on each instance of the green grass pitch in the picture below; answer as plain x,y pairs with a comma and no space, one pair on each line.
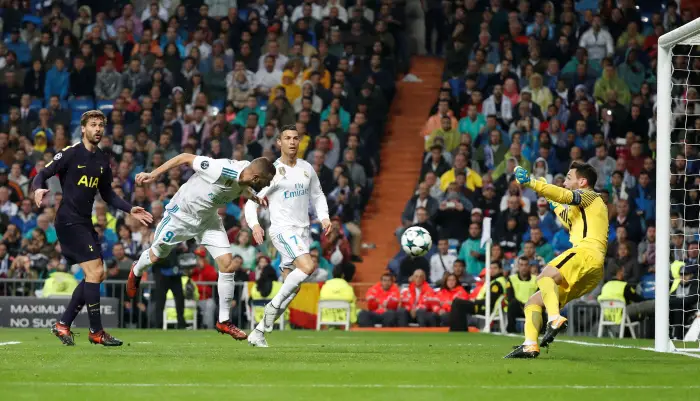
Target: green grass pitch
333,365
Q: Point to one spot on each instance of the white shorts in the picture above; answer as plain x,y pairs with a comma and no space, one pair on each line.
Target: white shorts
171,231
291,243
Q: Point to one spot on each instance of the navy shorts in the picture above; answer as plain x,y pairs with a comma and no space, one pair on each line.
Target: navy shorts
79,242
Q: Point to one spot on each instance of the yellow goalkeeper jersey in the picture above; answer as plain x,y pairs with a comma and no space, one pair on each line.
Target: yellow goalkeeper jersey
583,212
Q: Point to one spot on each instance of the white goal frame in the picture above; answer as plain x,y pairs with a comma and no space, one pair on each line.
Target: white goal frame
686,34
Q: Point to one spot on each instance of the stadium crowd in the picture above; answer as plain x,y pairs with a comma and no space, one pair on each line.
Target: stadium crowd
542,84
207,77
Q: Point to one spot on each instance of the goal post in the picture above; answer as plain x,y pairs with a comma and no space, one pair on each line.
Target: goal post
687,35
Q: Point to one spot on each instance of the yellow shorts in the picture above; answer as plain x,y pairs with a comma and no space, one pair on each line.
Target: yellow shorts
581,269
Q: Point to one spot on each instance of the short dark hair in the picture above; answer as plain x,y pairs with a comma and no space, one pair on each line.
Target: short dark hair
288,127
92,114
523,257
585,170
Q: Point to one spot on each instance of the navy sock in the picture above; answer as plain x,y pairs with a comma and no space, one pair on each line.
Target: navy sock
76,303
92,300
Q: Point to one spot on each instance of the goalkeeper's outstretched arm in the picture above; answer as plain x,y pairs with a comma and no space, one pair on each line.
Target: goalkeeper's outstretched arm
554,193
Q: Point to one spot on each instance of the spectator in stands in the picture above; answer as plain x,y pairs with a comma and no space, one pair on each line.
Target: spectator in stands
441,263
418,302
108,84
25,219
243,248
435,162
646,251
382,303
57,80
626,218
472,252
449,291
625,260
435,121
522,286
597,41
529,251
336,247
422,199
462,310
453,214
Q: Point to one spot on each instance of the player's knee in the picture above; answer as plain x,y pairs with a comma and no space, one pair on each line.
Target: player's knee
94,272
226,263
552,272
305,264
152,256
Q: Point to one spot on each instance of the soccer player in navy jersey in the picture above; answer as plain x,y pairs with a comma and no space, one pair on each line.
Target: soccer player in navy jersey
84,169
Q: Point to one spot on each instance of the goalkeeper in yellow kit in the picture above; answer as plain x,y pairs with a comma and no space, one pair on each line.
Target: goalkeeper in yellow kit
576,271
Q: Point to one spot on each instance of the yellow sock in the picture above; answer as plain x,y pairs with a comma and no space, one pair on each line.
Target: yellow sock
550,295
533,323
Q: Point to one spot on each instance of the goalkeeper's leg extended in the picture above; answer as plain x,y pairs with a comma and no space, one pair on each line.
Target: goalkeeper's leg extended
548,297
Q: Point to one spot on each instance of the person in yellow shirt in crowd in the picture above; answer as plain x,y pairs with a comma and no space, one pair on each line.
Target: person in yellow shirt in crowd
337,289
316,66
513,153
447,132
472,179
291,90
59,284
189,289
619,290
522,286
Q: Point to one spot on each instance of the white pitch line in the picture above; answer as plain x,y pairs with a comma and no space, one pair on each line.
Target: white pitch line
358,386
590,344
10,343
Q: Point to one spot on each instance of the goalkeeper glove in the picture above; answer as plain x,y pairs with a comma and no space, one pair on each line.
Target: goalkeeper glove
522,175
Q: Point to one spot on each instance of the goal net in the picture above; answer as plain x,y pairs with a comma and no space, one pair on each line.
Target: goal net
678,190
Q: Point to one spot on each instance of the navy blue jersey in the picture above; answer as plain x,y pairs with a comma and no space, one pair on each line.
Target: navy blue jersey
82,174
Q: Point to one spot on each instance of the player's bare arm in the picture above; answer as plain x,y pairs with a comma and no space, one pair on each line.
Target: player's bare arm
179,160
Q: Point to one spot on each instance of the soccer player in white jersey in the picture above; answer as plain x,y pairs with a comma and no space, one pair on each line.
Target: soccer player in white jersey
288,198
192,213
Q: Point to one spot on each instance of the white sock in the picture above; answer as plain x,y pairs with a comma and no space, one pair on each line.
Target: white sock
289,287
529,342
143,263
285,304
552,318
226,288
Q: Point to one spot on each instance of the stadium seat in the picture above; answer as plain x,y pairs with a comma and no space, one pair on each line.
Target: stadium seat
497,315
105,106
81,105
614,313
333,305
189,304
5,118
243,14
36,104
259,304
78,107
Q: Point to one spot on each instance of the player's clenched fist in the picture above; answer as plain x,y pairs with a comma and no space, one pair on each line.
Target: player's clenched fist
522,175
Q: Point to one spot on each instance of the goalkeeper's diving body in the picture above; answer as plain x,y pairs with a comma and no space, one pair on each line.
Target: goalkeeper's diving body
578,270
